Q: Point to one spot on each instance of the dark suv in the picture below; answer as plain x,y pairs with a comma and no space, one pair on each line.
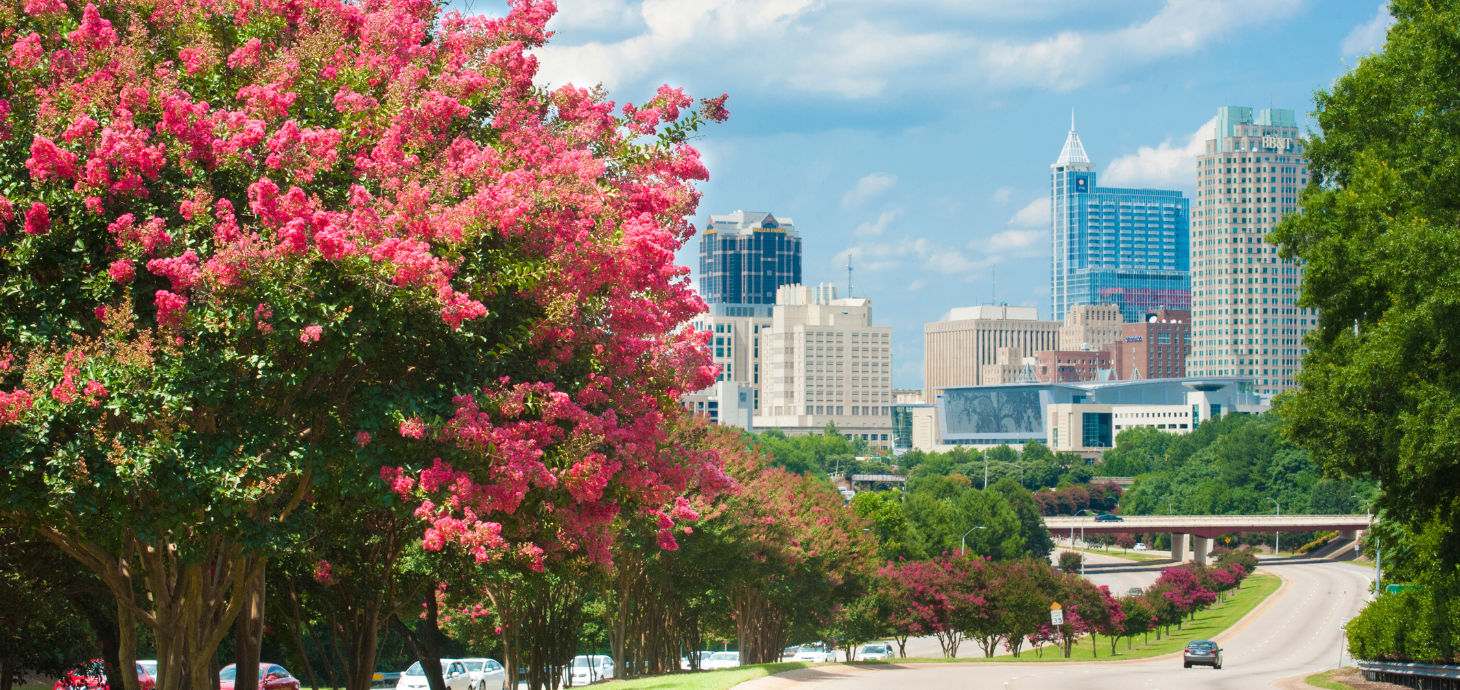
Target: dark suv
1202,653
1109,517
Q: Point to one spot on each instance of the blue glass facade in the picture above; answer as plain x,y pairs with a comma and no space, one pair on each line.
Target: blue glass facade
1129,247
745,256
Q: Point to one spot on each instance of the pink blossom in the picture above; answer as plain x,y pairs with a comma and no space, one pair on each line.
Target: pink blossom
37,219
81,128
247,55
322,573
170,308
666,540
181,270
94,33
413,428
12,404
7,210
310,334
37,8
27,51
121,271
48,161
94,391
193,60
362,439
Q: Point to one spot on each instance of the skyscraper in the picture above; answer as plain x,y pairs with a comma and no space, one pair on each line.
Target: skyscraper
1244,314
744,257
1127,247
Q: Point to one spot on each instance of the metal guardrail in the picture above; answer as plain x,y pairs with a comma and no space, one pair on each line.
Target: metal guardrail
1421,676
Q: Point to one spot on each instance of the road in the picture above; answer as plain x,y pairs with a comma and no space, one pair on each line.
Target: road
1297,632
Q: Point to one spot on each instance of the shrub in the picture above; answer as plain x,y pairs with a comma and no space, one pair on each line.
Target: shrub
1071,561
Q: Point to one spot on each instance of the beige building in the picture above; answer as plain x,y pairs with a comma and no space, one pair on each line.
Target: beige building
1011,366
955,351
735,345
1245,318
826,362
1095,325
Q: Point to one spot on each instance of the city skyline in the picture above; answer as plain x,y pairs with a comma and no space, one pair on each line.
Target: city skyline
925,159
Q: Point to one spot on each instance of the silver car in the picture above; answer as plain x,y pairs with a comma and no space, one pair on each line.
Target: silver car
486,674
588,669
453,672
876,651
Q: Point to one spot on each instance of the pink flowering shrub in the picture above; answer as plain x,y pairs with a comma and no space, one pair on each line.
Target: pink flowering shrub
493,263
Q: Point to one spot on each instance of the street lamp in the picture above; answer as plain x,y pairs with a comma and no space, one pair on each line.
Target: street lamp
1277,536
963,542
1083,545
985,471
1021,473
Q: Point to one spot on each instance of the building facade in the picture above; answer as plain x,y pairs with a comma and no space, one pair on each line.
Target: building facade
956,351
826,362
1155,348
1127,247
735,345
1245,311
744,257
1071,366
1091,326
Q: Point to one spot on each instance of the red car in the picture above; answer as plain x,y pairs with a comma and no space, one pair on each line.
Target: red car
91,675
271,677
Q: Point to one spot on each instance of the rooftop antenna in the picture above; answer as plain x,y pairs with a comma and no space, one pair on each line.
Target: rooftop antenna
849,276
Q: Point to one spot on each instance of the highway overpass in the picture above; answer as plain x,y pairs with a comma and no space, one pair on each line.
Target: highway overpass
1204,528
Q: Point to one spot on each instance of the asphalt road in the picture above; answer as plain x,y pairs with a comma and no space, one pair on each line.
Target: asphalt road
1298,632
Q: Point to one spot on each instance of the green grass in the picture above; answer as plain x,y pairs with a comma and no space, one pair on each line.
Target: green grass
1325,680
1129,555
706,680
1207,625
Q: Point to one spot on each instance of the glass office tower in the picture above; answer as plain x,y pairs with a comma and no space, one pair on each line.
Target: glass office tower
744,257
1128,247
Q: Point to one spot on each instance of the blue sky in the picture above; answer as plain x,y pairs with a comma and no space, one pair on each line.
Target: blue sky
915,137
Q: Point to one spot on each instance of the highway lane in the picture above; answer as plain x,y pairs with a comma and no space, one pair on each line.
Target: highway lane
1295,633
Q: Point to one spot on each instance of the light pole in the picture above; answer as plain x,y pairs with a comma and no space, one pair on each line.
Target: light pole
963,542
1021,473
1277,536
985,471
1082,537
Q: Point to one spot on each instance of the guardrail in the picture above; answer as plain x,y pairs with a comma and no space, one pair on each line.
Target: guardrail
1420,676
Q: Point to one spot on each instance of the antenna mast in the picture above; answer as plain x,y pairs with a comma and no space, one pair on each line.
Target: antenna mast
849,276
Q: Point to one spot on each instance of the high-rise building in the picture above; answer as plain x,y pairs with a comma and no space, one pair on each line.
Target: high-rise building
826,362
736,346
744,257
1122,246
1245,314
955,351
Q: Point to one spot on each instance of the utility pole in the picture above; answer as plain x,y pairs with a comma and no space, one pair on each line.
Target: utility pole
1277,536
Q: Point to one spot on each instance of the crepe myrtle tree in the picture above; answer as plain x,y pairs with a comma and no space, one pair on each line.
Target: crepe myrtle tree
242,241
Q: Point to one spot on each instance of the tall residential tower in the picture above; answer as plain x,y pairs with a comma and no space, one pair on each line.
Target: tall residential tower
1244,311
1127,247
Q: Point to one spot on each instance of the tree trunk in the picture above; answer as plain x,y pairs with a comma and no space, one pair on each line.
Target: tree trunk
425,646
7,669
127,646
248,634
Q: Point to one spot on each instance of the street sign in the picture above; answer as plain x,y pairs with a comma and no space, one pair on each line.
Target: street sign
1056,614
1343,624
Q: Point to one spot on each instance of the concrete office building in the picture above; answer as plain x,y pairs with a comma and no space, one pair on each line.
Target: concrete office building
727,403
1245,315
826,362
1123,246
1072,366
1010,366
1156,348
956,350
735,345
744,257
1091,326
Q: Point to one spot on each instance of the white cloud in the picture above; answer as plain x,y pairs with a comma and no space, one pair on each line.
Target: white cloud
846,49
867,188
1165,166
874,229
1002,194
1017,243
877,256
1369,36
1035,215
916,285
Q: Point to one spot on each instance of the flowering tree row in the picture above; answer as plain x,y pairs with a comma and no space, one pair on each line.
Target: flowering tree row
252,248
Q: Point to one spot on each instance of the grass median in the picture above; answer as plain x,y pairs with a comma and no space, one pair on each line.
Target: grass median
706,680
1128,555
1207,625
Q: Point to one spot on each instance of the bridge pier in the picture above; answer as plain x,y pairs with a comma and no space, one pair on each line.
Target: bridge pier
1178,547
1200,547
1349,534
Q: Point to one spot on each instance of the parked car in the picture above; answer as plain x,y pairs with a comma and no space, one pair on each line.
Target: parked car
1109,517
703,658
1134,591
875,651
719,660
1140,546
91,675
586,669
486,674
384,679
452,671
271,677
1202,653
815,653
150,667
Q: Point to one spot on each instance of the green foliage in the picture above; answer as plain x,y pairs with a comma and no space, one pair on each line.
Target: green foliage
889,525
1070,561
1036,538
819,454
1379,387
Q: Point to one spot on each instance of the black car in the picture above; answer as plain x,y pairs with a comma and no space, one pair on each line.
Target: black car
1109,517
1202,653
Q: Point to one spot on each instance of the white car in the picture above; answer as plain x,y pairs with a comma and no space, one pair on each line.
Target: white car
486,674
720,660
876,651
703,657
815,654
1140,546
453,672
583,670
